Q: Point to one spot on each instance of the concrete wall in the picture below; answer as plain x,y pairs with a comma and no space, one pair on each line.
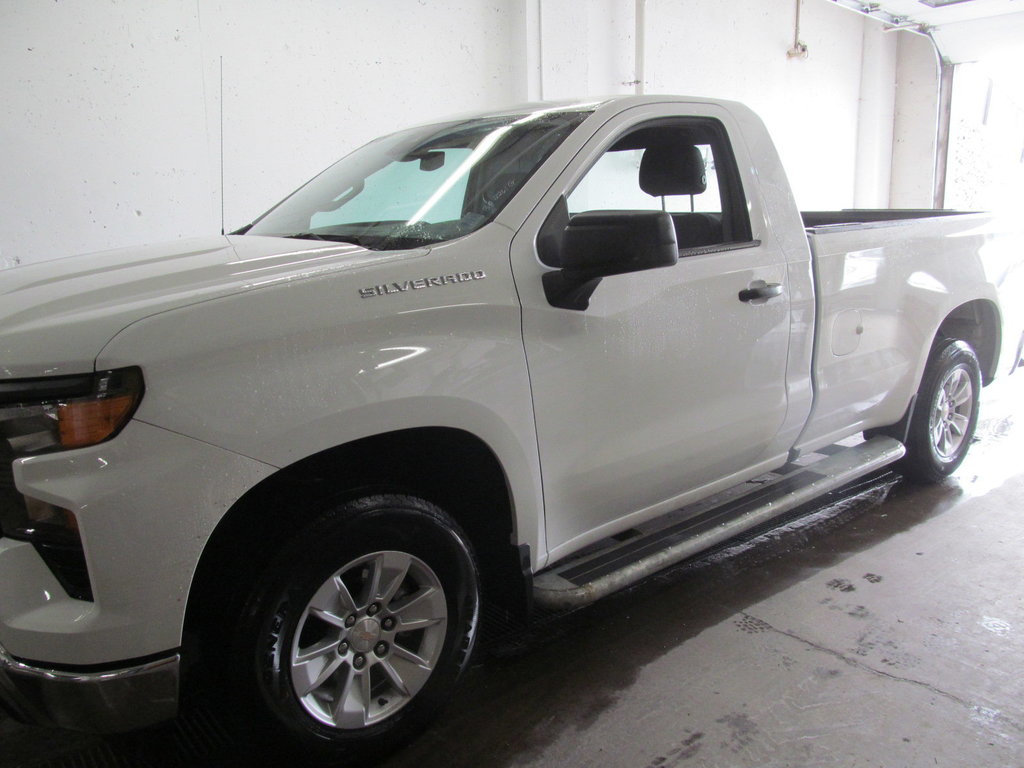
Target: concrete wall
111,111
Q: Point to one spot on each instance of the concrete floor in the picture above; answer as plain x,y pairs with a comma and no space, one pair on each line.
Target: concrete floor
865,634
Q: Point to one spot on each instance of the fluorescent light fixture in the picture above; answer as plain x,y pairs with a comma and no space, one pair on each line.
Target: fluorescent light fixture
942,3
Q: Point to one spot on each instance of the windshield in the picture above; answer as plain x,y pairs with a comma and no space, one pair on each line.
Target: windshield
421,186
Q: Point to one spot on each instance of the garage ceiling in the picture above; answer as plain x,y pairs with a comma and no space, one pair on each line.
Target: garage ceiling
937,12
963,30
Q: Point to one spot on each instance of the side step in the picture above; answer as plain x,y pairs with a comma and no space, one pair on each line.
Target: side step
599,571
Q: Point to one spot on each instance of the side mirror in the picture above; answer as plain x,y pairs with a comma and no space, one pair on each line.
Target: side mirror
598,244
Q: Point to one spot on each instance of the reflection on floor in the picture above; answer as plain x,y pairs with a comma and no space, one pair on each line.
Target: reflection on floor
864,633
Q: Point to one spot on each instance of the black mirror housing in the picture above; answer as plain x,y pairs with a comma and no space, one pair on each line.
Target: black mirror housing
604,243
599,244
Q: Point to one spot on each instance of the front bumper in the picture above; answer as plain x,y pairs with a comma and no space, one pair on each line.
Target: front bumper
146,503
111,701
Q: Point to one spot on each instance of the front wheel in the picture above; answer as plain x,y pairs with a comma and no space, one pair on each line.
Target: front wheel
945,414
358,631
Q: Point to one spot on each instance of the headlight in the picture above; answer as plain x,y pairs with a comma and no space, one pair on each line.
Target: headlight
61,412
45,415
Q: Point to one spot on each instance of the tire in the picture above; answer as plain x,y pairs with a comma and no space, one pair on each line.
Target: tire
945,414
358,631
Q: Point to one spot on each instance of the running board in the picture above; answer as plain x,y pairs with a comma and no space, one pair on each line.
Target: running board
599,571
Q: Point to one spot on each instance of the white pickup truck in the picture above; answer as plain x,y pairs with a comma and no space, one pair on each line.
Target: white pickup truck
528,356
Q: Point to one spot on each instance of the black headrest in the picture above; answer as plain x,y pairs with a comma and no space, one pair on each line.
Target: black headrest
672,169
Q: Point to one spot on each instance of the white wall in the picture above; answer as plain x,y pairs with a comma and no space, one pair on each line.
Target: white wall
876,117
737,50
587,48
915,130
830,113
110,122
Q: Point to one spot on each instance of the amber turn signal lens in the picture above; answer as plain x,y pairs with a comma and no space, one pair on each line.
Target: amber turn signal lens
88,422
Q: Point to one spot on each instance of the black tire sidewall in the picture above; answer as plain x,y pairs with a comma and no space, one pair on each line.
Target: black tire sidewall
922,462
269,621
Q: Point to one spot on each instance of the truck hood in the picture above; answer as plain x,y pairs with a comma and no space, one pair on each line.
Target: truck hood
56,316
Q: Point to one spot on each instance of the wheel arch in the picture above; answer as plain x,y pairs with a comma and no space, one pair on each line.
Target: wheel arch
978,323
452,468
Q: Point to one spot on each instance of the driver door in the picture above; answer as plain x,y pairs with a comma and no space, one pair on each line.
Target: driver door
667,383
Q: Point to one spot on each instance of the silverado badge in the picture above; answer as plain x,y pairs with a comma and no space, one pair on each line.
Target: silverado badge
421,283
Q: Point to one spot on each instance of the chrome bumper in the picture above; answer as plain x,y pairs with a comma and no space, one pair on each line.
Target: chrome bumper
99,702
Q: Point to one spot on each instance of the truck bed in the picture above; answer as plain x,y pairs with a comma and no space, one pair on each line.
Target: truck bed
861,216
876,272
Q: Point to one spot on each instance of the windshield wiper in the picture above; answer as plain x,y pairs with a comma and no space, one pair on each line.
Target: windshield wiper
353,239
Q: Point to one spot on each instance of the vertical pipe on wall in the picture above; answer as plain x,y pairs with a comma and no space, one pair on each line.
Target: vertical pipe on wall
527,51
540,49
799,49
641,46
220,100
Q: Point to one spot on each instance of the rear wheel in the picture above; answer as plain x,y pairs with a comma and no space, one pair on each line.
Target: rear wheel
359,630
945,414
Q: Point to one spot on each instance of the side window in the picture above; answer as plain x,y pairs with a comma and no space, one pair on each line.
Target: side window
684,167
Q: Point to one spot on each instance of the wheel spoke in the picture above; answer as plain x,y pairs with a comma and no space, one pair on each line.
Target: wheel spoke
392,568
372,585
960,389
332,602
331,618
958,423
412,626
425,608
945,440
365,694
407,655
345,600
323,648
314,669
349,707
412,674
396,679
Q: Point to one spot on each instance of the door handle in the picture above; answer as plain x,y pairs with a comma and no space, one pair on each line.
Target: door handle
759,289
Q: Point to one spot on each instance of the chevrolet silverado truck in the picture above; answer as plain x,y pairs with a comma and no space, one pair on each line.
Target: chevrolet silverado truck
529,357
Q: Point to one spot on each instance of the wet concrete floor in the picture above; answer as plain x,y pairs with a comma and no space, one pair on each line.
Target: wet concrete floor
865,634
